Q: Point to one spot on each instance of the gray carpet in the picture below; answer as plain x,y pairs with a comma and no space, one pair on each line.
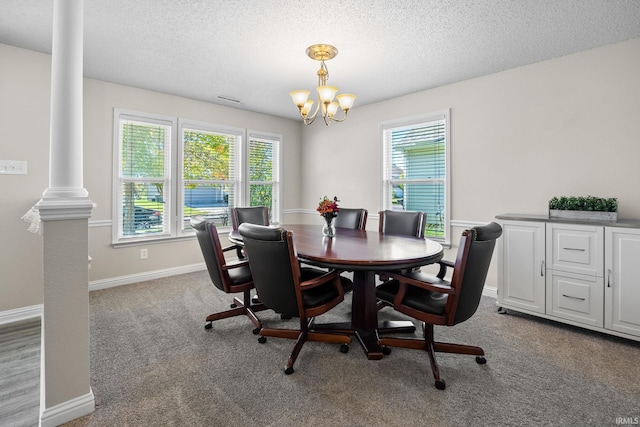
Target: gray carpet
154,364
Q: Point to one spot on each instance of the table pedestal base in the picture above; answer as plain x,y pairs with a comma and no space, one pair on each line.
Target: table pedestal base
368,339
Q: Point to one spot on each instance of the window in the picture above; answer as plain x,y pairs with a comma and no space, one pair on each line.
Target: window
170,169
415,169
143,159
264,173
210,172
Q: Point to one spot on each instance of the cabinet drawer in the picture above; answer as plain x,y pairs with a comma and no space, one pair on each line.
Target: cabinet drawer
575,249
575,297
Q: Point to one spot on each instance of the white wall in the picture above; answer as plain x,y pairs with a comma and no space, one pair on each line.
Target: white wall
568,126
100,99
25,86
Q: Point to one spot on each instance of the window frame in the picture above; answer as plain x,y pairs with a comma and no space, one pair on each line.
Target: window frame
275,209
193,125
122,115
387,182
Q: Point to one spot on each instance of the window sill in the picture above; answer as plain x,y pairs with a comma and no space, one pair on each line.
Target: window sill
162,239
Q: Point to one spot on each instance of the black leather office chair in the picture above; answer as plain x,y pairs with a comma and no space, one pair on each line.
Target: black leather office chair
355,219
290,290
402,222
436,300
405,223
233,277
253,215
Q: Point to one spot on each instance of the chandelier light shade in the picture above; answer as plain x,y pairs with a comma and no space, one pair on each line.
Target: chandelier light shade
326,105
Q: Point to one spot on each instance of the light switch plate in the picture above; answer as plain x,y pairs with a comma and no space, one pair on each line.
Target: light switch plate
13,167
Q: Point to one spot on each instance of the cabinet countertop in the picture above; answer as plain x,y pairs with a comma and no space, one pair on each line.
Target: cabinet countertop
624,223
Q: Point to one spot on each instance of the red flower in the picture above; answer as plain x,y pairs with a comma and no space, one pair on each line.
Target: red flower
328,208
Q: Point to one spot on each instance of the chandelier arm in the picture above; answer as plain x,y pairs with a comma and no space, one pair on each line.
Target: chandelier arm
344,117
309,119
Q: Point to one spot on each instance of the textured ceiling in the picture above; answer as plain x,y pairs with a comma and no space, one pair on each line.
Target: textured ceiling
254,50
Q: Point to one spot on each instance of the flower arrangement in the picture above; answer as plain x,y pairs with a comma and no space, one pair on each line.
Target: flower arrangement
328,208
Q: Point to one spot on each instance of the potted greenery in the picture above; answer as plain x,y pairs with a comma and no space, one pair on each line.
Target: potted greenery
589,208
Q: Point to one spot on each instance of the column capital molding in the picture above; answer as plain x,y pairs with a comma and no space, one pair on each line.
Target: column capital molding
56,209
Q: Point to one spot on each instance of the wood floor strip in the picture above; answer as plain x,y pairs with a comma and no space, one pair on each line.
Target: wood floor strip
20,373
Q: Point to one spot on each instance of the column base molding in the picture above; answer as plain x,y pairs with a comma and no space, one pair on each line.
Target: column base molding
52,209
67,411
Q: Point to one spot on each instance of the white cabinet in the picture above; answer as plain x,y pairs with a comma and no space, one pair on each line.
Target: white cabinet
521,281
586,274
622,281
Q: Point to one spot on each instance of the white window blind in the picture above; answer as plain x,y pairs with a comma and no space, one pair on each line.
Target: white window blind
415,169
144,173
264,173
210,173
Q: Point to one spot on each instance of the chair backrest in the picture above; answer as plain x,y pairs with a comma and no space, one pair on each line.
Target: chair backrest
355,219
207,235
470,271
274,266
253,215
402,222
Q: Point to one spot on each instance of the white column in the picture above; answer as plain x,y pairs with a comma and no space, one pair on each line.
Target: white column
65,156
64,210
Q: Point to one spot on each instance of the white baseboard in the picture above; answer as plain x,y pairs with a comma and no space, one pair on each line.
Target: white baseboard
67,411
95,285
23,313
490,291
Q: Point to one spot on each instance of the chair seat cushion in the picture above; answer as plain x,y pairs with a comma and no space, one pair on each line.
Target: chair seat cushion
416,298
240,275
323,293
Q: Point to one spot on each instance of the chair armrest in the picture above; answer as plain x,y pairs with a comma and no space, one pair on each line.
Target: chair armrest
443,268
317,281
236,264
434,287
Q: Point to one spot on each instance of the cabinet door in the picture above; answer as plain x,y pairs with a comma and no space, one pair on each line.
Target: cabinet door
575,248
521,270
575,297
622,280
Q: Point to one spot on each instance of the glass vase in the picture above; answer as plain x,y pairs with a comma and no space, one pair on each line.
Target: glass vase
328,229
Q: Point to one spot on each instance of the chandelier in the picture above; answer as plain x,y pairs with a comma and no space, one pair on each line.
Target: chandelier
326,104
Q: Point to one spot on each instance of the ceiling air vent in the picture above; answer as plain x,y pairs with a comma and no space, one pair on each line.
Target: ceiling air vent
228,99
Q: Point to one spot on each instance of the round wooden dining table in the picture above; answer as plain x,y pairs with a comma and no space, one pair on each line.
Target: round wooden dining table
364,253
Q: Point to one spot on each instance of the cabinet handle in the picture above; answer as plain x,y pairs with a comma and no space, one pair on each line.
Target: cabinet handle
572,297
608,278
574,249
542,268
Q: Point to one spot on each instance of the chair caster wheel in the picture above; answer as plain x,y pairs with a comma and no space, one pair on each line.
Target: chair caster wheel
208,325
233,305
440,385
480,360
256,331
344,348
288,371
386,351
262,340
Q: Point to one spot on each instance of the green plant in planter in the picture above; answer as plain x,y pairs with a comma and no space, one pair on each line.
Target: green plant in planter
588,203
